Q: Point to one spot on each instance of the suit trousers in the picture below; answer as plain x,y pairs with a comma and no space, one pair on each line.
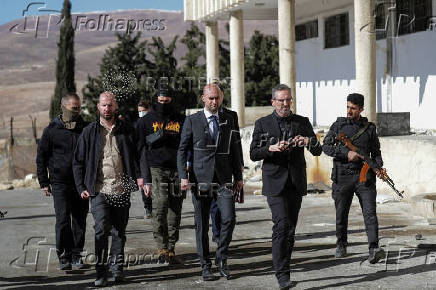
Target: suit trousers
343,192
71,212
226,205
285,208
215,217
109,220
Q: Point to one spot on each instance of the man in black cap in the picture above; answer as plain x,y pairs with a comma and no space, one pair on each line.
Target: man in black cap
347,165
158,135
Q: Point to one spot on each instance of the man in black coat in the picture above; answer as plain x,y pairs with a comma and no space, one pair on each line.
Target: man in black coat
55,153
143,110
208,134
105,168
279,140
345,175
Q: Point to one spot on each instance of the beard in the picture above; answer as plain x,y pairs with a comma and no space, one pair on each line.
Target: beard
107,117
212,109
285,111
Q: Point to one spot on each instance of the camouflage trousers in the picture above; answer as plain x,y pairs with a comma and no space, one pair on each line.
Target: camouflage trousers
167,207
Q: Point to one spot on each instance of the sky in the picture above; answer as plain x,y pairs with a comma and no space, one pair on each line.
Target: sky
13,9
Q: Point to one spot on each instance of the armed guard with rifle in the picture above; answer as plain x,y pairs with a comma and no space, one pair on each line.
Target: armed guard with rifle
354,145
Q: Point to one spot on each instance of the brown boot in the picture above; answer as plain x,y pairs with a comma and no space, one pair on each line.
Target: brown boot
173,259
162,256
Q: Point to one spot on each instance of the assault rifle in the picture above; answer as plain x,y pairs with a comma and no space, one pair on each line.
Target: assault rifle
367,164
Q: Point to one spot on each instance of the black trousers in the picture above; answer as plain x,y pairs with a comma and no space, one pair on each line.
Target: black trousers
343,192
148,204
109,220
226,207
284,209
71,212
215,217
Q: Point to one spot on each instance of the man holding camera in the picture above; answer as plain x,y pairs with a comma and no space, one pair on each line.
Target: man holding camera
279,140
158,135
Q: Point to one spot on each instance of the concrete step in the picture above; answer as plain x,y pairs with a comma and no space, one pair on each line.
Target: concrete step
424,205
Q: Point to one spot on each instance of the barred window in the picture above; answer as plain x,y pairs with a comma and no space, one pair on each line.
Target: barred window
306,30
413,15
381,21
336,31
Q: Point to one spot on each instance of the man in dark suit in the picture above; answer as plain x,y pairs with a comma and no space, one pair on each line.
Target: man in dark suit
208,134
215,214
278,140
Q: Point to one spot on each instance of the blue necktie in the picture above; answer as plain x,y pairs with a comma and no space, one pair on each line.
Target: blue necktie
215,127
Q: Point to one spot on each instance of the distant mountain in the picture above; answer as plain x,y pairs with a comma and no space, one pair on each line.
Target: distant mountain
27,56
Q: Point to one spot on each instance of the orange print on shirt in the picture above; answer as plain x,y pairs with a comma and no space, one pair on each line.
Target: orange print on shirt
171,126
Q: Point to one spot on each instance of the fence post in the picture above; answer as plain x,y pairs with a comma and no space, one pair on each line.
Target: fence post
11,167
33,120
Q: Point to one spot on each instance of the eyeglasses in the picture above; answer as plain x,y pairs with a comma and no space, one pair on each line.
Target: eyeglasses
283,100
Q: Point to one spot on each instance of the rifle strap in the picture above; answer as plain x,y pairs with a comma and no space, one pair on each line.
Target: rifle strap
361,131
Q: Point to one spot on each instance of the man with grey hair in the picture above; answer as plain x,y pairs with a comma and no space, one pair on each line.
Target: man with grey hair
279,140
105,169
55,153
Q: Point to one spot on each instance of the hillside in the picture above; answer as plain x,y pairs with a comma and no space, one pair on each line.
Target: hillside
27,63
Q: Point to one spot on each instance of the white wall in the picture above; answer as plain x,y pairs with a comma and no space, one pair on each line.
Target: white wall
326,76
413,173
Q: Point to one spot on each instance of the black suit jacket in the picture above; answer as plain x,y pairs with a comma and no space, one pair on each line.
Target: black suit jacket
278,167
208,158
234,116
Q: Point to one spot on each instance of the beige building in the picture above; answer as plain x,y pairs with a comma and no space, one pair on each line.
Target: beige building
284,11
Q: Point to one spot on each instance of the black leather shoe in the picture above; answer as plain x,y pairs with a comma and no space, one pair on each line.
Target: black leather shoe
286,285
117,277
223,270
207,275
65,265
341,251
375,255
77,263
100,282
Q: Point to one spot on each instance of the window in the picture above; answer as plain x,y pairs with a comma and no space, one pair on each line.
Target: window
381,25
306,30
413,15
336,31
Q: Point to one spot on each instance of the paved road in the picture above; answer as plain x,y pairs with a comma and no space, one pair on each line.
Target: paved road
27,256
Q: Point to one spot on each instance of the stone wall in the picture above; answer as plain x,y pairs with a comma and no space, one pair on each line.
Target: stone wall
409,160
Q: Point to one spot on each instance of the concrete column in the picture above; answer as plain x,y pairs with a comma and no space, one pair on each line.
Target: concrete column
237,65
286,26
391,34
364,28
433,5
212,59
